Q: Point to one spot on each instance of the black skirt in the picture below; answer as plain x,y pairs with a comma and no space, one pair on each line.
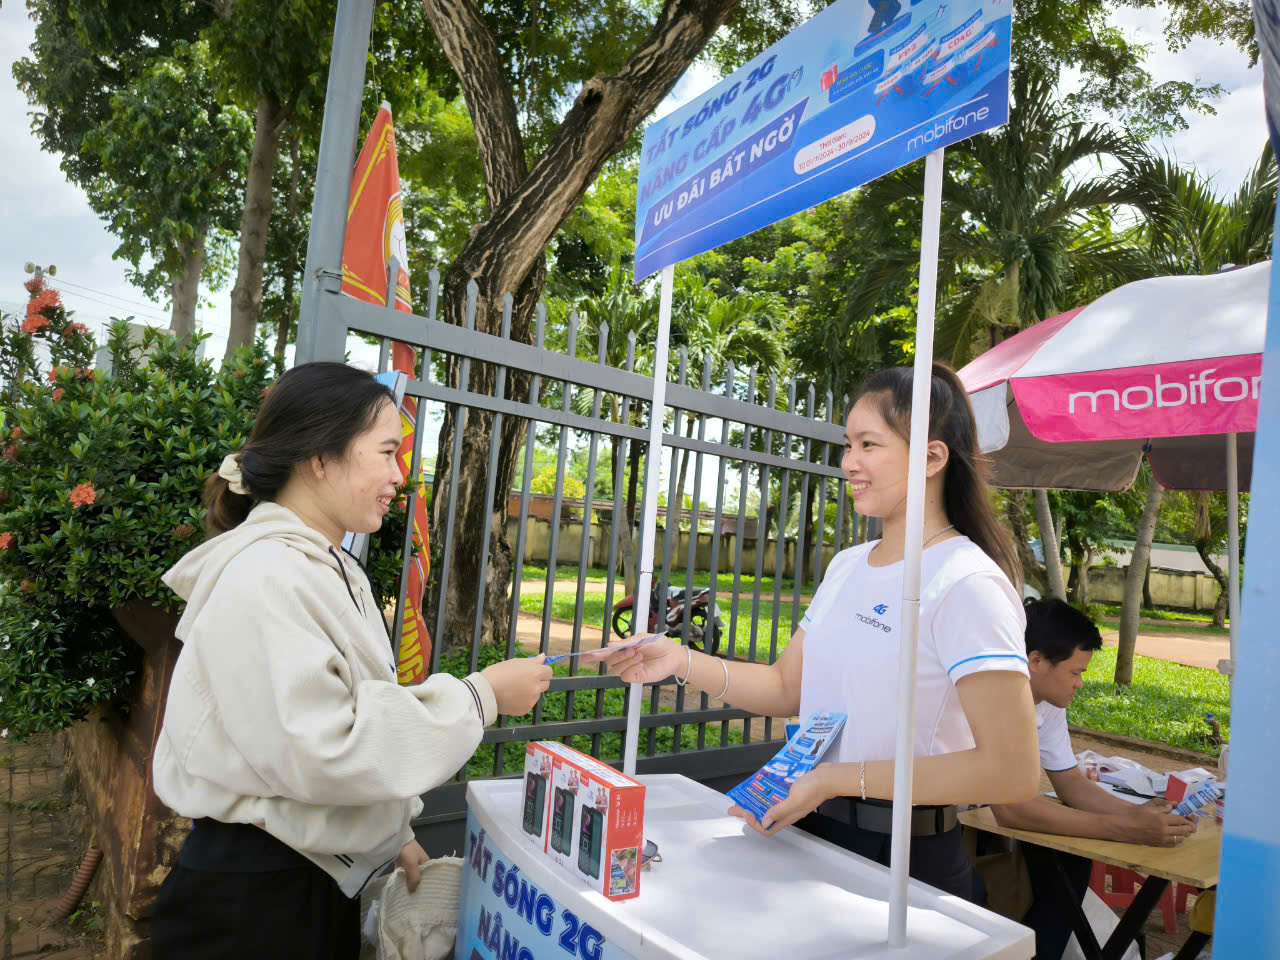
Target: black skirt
237,892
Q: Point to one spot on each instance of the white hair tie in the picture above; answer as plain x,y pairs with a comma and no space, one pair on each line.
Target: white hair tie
230,472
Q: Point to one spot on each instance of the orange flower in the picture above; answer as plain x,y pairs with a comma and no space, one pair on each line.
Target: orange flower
57,394
79,328
53,374
43,300
34,285
34,324
6,540
83,495
18,433
11,453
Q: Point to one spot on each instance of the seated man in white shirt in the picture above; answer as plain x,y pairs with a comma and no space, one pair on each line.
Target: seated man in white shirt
1060,644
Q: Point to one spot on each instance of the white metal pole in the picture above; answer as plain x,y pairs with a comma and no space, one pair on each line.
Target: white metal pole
1233,548
904,755
649,511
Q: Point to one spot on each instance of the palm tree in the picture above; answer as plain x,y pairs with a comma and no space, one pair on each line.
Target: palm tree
743,329
1021,228
1018,214
629,323
1196,231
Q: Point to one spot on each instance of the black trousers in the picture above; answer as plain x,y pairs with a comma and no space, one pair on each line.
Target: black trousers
1049,917
938,860
273,904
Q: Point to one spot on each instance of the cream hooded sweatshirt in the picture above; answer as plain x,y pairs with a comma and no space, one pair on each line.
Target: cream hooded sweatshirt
284,710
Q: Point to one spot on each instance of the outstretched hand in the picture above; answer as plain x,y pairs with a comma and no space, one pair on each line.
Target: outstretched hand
648,662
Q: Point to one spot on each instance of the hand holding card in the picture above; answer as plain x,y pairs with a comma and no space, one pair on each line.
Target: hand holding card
601,653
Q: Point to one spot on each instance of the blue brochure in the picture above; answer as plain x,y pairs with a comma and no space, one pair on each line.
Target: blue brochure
772,782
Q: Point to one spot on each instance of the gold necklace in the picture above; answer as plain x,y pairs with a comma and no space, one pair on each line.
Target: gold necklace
950,526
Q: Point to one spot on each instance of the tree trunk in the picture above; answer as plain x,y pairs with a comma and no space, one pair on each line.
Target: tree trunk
1146,588
1082,560
246,295
1049,546
1219,608
1015,514
506,253
1139,563
186,286
292,268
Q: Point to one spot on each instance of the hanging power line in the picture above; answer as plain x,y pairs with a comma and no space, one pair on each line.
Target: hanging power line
80,286
115,306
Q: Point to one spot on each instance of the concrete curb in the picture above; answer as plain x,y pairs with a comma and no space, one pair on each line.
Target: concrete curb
1205,760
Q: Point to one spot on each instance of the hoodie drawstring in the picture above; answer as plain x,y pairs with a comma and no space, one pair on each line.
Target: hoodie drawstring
342,569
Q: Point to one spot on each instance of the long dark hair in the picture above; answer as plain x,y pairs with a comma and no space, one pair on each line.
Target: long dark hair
314,410
966,495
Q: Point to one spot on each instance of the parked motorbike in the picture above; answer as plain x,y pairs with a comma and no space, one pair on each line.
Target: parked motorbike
704,620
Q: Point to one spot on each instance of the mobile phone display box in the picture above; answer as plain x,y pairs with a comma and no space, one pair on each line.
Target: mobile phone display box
595,828
536,796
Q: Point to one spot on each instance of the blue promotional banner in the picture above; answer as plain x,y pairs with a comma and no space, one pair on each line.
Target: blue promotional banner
864,87
1249,894
505,916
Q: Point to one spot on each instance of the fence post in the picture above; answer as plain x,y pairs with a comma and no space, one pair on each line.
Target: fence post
323,271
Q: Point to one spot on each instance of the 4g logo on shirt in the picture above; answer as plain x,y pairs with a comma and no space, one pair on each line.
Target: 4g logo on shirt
881,609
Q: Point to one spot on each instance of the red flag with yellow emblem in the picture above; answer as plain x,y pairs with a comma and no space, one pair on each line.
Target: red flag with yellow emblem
375,234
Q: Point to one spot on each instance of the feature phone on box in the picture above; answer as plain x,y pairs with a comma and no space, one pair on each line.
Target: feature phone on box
585,817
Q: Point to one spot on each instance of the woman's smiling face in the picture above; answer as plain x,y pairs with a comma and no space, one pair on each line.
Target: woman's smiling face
875,460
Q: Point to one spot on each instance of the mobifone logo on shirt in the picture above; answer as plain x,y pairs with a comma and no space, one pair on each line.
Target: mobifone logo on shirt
879,608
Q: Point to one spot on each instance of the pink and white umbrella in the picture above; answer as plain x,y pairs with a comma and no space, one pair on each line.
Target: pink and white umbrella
1174,362
1171,366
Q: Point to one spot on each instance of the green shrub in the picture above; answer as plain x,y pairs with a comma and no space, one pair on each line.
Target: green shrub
100,483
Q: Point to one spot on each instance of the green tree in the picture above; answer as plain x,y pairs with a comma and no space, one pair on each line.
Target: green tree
614,67
628,322
125,94
172,163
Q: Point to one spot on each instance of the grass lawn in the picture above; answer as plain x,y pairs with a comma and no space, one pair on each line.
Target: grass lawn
701,578
1165,704
1186,627
564,606
1111,611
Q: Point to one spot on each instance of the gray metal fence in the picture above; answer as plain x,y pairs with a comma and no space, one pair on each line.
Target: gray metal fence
776,445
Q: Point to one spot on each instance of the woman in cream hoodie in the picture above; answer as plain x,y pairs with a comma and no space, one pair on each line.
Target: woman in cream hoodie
286,736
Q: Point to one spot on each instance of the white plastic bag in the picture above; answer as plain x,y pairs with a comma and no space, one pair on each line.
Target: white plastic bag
422,925
1104,921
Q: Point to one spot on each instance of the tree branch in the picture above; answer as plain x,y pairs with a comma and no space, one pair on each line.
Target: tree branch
473,53
529,206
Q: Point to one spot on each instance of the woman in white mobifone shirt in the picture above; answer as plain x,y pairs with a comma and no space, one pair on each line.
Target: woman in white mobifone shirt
975,728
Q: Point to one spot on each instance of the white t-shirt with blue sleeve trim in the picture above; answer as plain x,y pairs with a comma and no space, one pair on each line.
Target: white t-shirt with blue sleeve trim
1056,754
971,620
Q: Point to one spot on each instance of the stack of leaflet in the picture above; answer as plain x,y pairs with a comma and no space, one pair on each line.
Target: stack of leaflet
771,784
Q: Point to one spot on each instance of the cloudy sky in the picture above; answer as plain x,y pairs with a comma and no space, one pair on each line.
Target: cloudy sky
46,220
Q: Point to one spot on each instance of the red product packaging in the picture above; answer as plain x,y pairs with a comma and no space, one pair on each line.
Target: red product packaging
535,811
595,819
1180,786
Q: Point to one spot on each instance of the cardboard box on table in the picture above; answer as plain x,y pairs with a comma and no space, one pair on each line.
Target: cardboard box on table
586,817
